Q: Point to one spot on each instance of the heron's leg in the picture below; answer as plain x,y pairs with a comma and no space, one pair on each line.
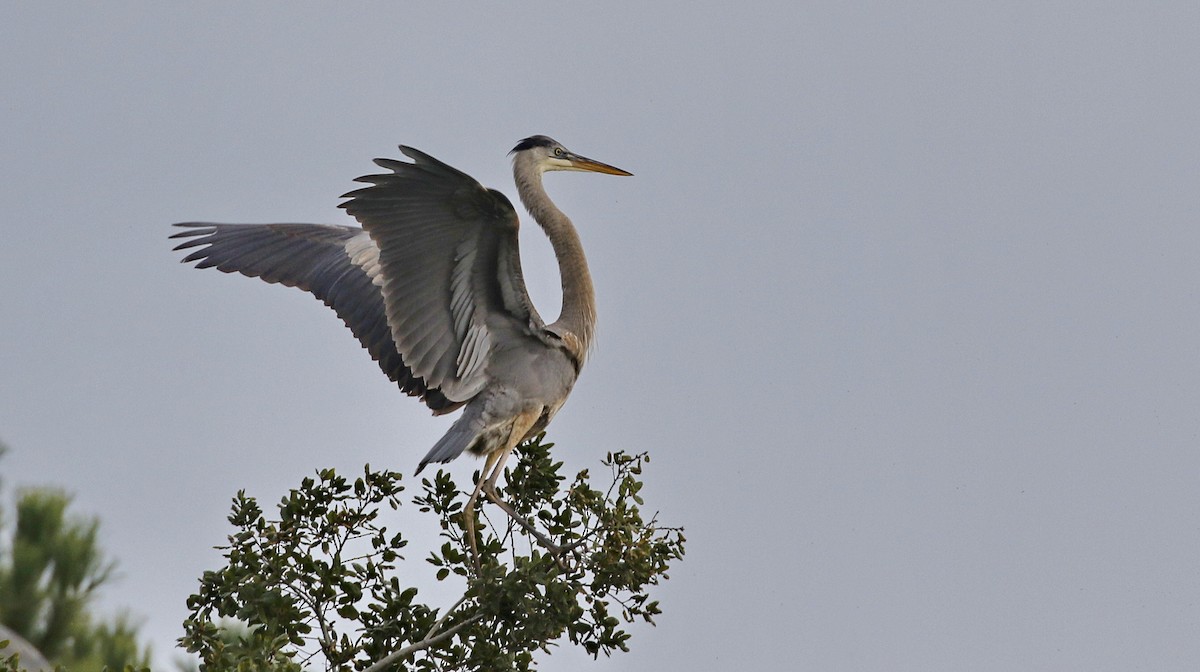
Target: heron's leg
496,462
489,489
469,511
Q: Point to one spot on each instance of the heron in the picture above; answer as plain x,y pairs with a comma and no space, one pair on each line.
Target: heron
431,285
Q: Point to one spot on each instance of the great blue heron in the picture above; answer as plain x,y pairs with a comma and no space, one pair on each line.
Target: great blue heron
432,287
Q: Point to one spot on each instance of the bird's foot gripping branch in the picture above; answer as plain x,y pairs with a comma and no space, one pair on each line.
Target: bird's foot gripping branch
321,586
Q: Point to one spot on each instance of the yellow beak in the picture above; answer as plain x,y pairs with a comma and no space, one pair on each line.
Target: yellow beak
584,163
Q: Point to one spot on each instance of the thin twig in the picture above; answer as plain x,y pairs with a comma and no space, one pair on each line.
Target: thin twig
328,638
523,523
442,619
391,658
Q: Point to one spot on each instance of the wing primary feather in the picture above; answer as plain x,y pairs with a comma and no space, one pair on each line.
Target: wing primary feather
337,264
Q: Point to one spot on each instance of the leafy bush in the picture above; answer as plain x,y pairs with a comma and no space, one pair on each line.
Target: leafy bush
319,585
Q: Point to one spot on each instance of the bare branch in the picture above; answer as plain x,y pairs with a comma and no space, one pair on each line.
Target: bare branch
391,658
438,624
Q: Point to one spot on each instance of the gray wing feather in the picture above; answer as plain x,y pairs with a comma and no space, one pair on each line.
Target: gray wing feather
337,264
450,267
468,319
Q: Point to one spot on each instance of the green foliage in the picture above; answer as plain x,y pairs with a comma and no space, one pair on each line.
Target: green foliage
54,570
49,575
319,585
9,662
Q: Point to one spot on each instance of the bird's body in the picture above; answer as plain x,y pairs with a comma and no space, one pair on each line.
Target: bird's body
431,285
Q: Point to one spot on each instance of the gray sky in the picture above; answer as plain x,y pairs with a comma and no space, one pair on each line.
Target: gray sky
902,299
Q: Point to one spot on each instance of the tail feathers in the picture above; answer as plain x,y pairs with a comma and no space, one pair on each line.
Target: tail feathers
464,432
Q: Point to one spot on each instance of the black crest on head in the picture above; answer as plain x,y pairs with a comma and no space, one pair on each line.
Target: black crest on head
534,141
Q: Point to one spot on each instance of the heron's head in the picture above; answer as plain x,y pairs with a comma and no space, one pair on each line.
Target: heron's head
545,154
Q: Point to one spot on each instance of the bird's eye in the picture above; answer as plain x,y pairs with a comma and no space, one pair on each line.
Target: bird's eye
558,151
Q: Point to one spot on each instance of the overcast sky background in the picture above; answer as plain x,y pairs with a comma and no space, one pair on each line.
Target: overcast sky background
902,299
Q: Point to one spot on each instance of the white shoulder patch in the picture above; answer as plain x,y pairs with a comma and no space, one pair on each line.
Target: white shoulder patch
364,253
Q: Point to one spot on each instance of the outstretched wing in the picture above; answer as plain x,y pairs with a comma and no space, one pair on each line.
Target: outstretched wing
430,285
448,255
337,264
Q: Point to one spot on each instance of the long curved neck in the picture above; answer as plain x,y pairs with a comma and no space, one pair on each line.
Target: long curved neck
578,316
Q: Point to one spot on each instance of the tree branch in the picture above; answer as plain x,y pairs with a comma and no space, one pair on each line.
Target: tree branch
387,660
438,624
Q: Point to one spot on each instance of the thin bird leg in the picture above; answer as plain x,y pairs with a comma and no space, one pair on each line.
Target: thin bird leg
489,489
469,512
